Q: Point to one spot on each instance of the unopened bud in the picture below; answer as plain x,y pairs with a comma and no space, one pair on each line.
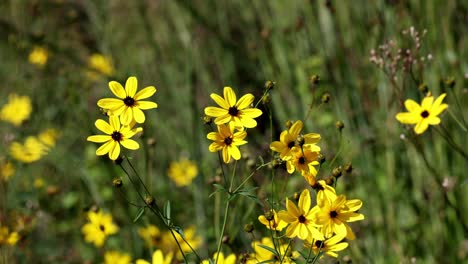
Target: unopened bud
249,228
300,140
289,123
117,182
149,201
423,88
315,79
339,125
321,158
450,82
269,85
337,172
296,196
207,120
348,168
269,216
325,98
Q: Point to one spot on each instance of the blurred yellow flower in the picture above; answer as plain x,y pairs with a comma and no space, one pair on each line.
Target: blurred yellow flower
32,150
219,258
115,257
49,137
328,246
158,258
238,112
39,183
423,115
289,139
275,223
6,170
7,237
227,141
169,245
151,235
99,227
264,255
129,105
101,64
38,56
116,135
182,172
17,110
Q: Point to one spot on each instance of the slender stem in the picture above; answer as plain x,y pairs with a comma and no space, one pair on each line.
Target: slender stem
250,176
138,176
340,148
444,133
285,251
220,240
457,102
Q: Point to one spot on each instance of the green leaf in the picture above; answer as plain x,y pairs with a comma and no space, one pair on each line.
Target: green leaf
167,212
140,214
219,188
272,250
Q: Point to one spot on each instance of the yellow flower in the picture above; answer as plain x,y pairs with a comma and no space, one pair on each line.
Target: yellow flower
231,259
264,255
100,226
325,191
169,245
116,135
303,160
238,112
128,106
289,141
157,258
38,56
334,212
226,140
16,110
183,172
423,115
6,170
151,235
275,223
115,257
32,150
101,64
7,237
329,246
39,183
49,137
301,220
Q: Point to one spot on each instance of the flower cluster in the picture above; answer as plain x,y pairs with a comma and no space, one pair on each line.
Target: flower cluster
34,147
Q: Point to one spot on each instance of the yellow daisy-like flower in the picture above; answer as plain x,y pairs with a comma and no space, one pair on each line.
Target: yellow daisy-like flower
289,140
151,234
7,237
423,115
301,219
274,223
329,246
6,170
183,172
227,141
238,112
158,258
115,257
116,135
17,110
49,137
231,259
264,255
32,150
100,226
169,245
38,56
303,160
101,64
129,105
324,191
334,212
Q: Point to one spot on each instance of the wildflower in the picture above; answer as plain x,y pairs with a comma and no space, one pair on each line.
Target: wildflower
227,141
49,137
115,257
99,227
7,237
272,221
6,170
328,246
303,160
116,135
324,191
288,141
17,110
335,211
32,150
169,245
38,56
128,106
151,235
157,258
183,172
39,183
219,257
423,115
263,255
238,112
101,64
302,219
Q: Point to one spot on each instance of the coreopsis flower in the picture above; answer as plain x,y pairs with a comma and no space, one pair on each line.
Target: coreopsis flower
99,227
301,218
6,170
128,105
182,172
324,191
334,212
7,237
219,258
157,258
17,110
32,150
240,113
423,115
38,56
101,64
227,141
151,235
115,257
328,246
303,160
116,135
169,245
289,140
263,255
272,221
48,137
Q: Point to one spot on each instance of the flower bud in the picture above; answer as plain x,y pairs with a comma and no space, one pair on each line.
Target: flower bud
321,158
450,82
269,85
315,79
149,201
207,120
269,216
325,98
423,88
348,167
117,182
339,125
249,228
337,172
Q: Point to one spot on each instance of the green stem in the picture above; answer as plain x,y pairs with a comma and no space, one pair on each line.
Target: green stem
285,251
220,240
444,133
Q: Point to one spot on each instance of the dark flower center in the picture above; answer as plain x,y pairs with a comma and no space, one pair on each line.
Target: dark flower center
102,228
291,144
319,244
116,136
301,160
228,141
425,114
233,111
129,101
333,214
302,219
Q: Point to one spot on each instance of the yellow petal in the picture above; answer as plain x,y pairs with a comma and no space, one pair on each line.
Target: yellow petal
245,102
130,144
215,111
304,200
127,116
99,138
421,126
230,96
220,101
110,103
114,151
131,86
412,106
114,122
105,148
235,153
145,105
145,93
117,89
296,128
248,122
408,118
138,115
303,232
427,102
433,120
226,155
251,112
104,126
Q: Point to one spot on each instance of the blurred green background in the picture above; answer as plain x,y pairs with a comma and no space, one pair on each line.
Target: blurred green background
189,49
